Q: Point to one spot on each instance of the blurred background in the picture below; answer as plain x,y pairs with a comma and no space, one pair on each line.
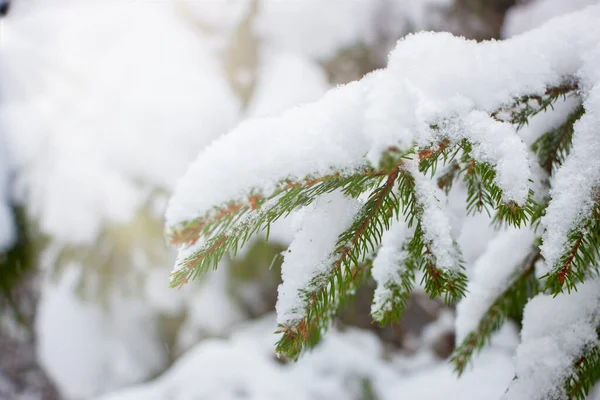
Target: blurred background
103,104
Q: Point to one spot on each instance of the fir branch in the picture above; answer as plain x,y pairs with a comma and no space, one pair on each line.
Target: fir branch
437,282
484,195
448,177
586,372
522,109
392,309
510,302
482,192
350,260
222,218
452,285
581,256
554,147
232,226
429,158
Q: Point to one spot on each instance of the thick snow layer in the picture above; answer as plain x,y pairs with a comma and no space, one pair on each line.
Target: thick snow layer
430,77
502,258
260,152
555,332
389,265
574,188
310,253
434,221
431,80
245,366
98,105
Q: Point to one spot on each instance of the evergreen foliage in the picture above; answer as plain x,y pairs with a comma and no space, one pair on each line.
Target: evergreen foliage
391,193
511,302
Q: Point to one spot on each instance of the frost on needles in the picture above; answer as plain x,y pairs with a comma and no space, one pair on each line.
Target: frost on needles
370,166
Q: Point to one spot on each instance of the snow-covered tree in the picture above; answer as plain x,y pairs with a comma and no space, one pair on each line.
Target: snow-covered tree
375,172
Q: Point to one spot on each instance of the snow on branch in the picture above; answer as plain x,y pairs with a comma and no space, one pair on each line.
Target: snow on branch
363,161
558,334
572,225
429,77
393,273
503,281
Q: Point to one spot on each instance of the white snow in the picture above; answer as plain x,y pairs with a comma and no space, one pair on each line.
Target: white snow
541,123
103,103
311,252
388,265
555,332
308,139
430,79
496,143
575,184
437,232
502,258
400,102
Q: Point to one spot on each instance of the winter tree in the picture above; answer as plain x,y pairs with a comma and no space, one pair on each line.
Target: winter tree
384,175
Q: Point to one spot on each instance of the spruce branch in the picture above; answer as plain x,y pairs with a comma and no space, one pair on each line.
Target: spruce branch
393,308
586,372
581,256
520,110
484,195
437,282
523,286
554,147
227,229
430,157
350,260
221,218
482,192
448,177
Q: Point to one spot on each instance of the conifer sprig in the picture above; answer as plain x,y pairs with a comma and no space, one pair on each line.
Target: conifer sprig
482,192
520,110
353,248
222,218
231,227
523,286
554,147
581,257
393,308
484,195
437,282
392,189
586,372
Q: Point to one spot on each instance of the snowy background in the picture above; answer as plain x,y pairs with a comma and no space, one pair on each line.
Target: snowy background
103,105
